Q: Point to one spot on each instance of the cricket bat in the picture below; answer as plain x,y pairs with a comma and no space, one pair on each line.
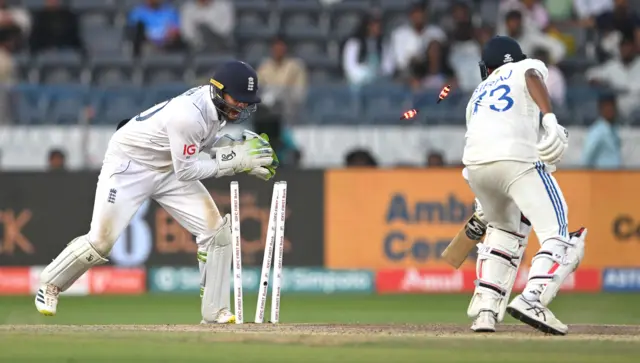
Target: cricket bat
464,242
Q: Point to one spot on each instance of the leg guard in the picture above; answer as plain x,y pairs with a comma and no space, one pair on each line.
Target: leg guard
555,261
216,273
496,271
525,230
76,259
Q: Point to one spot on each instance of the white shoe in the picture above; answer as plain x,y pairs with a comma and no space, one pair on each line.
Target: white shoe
536,315
224,317
485,322
47,299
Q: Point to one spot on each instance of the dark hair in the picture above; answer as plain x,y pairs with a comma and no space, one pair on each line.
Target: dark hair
56,153
362,33
513,14
359,153
606,97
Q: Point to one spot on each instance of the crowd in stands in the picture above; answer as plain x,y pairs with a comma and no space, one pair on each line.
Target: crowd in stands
422,45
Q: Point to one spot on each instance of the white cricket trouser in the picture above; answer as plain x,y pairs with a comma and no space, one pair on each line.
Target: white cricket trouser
506,188
123,185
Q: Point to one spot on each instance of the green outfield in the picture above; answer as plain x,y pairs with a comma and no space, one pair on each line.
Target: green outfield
314,328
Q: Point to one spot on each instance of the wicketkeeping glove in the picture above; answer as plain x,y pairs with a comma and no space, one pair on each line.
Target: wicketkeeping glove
262,172
244,156
555,142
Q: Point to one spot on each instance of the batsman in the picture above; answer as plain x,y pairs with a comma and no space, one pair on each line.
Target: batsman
509,155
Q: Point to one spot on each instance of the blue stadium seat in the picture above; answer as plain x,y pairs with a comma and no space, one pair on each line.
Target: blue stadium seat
345,17
204,65
301,18
101,40
94,20
29,104
93,5
66,104
112,70
253,52
59,66
114,104
23,65
333,104
33,4
253,19
163,68
160,93
385,104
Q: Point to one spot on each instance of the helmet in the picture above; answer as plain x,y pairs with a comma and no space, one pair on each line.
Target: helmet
240,81
498,51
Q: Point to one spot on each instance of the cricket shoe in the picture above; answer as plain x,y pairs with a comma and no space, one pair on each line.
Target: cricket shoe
485,322
224,317
536,315
47,299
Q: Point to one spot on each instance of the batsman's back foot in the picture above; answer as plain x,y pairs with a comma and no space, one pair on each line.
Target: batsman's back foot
536,315
47,300
485,322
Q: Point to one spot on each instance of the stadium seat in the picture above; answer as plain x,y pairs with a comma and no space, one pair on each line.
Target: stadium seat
59,66
117,103
163,68
101,40
93,5
94,20
302,19
332,104
66,104
204,65
253,52
345,17
29,104
253,19
161,93
385,104
112,70
33,4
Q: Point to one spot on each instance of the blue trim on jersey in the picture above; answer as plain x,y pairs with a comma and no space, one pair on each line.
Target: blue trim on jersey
556,201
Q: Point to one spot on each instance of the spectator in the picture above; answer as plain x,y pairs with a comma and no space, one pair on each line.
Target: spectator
208,24
7,74
602,144
435,159
155,22
365,57
409,42
16,22
620,22
57,160
588,10
555,82
360,158
465,50
534,14
434,72
55,27
283,80
622,75
530,38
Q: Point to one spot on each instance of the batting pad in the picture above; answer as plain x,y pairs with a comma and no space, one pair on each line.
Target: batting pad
76,259
217,274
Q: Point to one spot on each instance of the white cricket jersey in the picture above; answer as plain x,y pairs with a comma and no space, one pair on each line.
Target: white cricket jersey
503,121
169,135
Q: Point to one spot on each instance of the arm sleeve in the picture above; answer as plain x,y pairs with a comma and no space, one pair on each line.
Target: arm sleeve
185,136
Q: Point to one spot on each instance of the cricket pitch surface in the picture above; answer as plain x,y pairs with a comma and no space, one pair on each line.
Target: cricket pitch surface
341,333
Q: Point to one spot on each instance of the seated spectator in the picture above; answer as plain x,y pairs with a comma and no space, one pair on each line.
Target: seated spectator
433,73
365,57
208,24
602,145
621,75
531,39
16,22
409,42
435,159
555,83
283,80
156,23
360,158
465,50
57,160
587,10
55,27
534,14
620,22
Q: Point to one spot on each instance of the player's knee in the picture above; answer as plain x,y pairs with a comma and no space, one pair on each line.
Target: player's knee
505,240
102,244
219,233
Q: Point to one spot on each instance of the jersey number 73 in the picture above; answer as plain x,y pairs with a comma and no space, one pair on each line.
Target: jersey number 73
498,96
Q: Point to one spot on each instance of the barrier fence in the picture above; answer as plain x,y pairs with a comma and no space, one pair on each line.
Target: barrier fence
347,230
